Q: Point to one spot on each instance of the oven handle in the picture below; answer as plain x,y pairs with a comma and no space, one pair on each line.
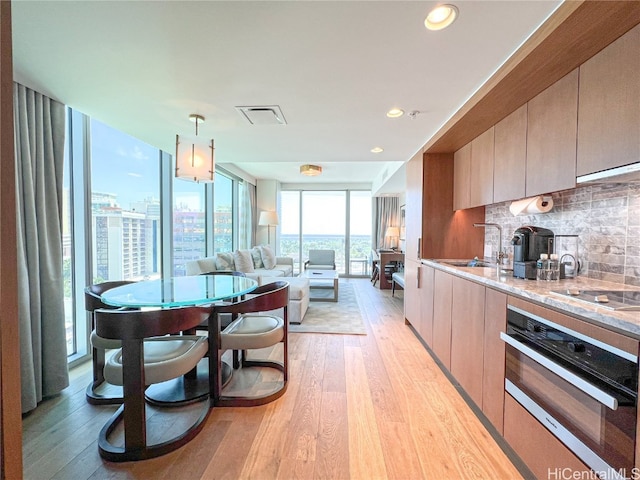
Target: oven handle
591,390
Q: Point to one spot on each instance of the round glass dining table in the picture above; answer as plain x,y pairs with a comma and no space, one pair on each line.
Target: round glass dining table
181,292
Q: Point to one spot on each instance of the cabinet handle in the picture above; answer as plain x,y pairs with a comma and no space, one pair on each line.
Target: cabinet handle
419,248
418,276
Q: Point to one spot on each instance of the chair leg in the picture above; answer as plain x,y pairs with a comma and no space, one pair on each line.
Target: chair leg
92,396
393,288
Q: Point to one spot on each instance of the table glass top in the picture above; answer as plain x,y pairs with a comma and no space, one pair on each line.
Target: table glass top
179,291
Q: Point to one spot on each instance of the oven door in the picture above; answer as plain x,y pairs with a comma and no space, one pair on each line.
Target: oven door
593,420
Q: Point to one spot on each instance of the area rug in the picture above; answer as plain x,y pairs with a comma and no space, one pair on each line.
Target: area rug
333,317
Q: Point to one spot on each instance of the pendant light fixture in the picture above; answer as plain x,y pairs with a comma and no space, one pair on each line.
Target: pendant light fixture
195,159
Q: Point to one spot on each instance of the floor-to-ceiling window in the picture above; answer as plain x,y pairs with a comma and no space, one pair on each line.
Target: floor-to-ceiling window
223,213
125,206
338,220
189,224
359,232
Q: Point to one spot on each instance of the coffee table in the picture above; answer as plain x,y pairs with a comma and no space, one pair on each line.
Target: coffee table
323,276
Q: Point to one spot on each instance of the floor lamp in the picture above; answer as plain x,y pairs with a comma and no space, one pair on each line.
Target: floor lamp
268,219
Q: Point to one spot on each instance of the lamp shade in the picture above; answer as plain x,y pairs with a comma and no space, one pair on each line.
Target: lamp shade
195,160
392,232
268,218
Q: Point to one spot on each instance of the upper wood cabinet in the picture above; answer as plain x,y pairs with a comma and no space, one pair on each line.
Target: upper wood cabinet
462,178
473,173
509,168
551,137
609,106
481,180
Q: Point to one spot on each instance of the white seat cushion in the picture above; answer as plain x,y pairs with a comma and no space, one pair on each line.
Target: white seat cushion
252,331
164,358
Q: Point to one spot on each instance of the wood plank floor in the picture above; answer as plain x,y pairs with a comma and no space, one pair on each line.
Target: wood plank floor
372,406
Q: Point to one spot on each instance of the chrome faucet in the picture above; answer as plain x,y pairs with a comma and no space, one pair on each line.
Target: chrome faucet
500,256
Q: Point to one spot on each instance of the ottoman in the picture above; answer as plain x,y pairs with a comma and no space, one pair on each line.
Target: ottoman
298,296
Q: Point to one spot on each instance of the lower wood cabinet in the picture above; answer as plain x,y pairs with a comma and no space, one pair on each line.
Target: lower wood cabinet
467,336
426,282
442,294
495,321
543,453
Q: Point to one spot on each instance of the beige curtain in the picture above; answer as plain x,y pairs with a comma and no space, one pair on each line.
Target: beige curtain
39,144
386,213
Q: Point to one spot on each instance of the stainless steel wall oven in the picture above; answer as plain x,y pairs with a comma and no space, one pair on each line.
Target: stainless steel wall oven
585,392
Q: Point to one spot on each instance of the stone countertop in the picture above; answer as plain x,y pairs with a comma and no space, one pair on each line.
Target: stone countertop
627,322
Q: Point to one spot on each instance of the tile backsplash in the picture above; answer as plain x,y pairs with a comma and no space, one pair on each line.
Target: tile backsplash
606,218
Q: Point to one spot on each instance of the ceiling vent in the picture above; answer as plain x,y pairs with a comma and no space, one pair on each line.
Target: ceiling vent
262,115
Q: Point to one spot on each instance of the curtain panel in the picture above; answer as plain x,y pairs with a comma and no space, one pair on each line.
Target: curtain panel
386,213
39,146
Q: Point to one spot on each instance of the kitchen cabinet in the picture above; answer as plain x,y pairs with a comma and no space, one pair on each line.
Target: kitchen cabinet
609,106
442,303
495,321
467,336
412,307
427,283
462,178
481,179
510,156
543,453
551,137
473,172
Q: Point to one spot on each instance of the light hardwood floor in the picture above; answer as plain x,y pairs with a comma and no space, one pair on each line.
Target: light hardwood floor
372,406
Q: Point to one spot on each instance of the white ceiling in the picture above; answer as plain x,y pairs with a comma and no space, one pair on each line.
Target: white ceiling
333,67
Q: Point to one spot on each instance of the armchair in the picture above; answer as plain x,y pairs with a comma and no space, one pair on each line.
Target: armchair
321,260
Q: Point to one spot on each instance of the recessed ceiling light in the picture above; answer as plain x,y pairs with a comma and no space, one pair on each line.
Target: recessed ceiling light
441,17
377,150
395,113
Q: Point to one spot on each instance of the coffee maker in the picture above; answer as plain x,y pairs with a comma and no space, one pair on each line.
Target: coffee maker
528,243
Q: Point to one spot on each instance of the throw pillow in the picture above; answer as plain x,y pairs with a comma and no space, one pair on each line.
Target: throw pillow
224,261
268,257
256,254
243,261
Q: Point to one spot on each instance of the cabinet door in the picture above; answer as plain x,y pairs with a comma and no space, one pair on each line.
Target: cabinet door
495,321
539,450
442,295
609,106
412,308
413,208
510,156
426,303
551,137
462,178
467,336
481,177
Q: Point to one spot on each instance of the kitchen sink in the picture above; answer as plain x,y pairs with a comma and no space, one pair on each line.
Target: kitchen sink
467,263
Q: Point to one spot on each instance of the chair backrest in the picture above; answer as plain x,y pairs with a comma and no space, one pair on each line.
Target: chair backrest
93,293
264,298
138,324
322,257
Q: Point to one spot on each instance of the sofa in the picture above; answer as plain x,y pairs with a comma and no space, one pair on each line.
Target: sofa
255,263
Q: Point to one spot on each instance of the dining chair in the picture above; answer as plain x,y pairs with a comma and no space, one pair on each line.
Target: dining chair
97,393
151,353
255,327
225,321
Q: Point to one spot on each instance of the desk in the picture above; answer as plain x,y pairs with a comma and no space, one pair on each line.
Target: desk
385,258
179,292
